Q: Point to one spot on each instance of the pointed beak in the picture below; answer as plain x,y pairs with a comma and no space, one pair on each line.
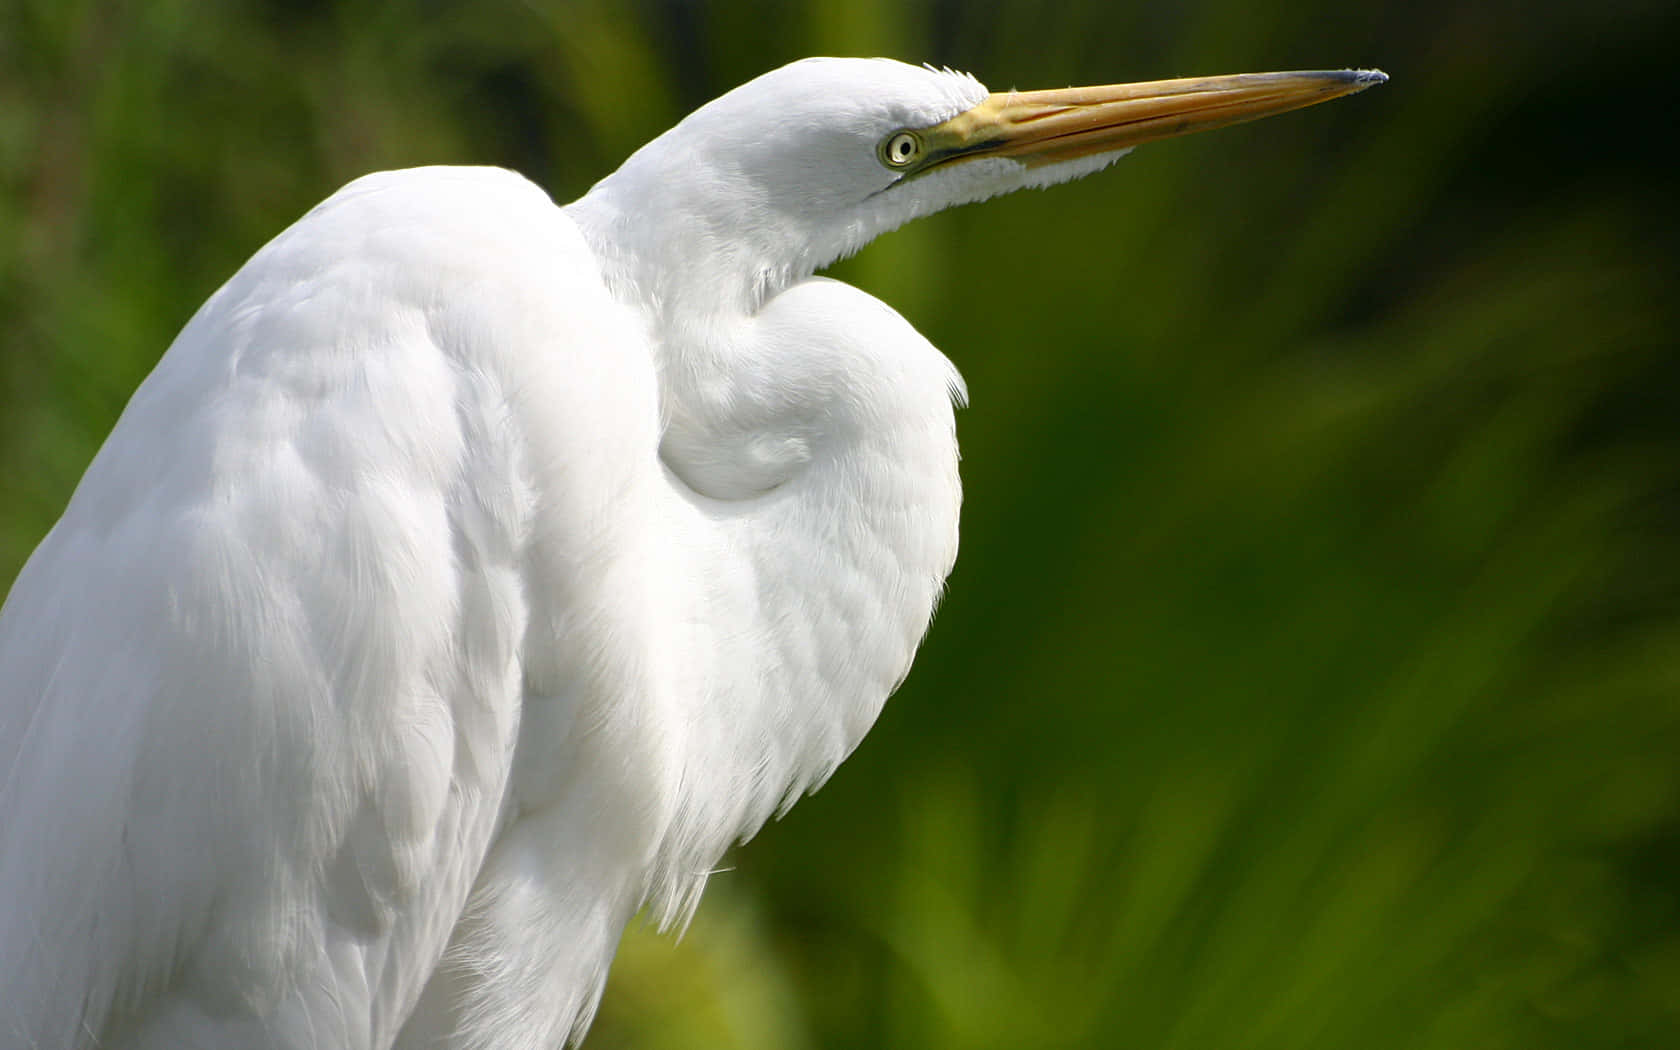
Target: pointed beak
1045,127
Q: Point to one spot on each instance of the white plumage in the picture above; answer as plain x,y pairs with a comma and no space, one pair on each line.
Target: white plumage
471,572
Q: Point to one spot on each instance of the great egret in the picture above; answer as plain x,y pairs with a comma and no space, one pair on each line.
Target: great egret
472,571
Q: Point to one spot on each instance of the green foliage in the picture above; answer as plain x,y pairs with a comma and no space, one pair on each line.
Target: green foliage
1311,675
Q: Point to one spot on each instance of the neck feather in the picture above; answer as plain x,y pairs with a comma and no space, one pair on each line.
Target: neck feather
813,460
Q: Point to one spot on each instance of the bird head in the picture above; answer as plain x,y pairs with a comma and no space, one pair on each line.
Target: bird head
810,162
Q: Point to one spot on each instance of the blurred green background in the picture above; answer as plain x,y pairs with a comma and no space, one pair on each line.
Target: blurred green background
1311,673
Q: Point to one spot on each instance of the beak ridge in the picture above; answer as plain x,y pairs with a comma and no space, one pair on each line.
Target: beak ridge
1040,127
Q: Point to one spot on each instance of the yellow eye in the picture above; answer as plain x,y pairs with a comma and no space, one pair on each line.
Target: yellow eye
901,150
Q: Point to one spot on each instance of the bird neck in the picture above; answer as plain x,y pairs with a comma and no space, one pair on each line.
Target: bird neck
813,453
809,436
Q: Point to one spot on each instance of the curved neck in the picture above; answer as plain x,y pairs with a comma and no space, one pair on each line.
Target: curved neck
816,497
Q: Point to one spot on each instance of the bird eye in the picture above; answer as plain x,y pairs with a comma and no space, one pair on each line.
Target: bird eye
901,150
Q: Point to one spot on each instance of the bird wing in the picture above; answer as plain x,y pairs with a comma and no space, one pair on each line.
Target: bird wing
260,687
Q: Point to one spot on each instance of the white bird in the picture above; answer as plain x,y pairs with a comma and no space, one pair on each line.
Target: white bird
472,571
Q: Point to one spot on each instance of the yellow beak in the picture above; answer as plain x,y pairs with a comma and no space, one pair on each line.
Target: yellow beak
1041,127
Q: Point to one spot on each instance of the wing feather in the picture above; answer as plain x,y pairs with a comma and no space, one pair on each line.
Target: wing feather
260,687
